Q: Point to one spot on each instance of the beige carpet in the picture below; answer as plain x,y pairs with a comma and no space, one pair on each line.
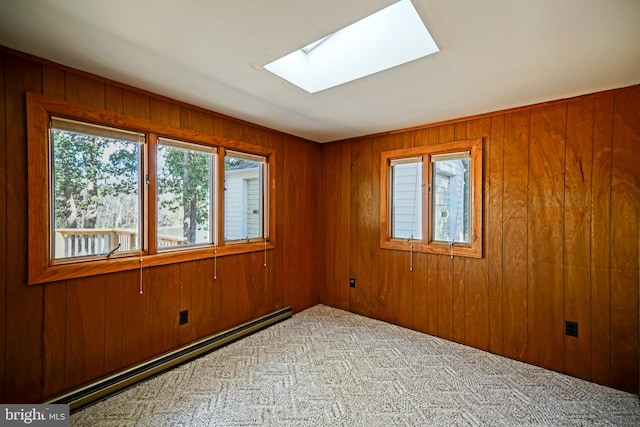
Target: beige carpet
327,367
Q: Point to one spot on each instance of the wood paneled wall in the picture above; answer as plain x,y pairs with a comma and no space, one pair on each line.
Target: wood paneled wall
60,335
561,189
561,217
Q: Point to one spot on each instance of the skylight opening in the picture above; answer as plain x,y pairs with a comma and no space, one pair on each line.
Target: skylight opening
390,37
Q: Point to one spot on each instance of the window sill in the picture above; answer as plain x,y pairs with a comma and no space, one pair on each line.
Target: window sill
95,266
437,248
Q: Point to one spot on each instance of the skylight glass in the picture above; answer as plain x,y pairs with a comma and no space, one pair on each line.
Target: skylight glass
390,37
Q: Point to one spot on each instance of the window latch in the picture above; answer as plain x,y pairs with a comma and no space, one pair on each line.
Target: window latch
146,179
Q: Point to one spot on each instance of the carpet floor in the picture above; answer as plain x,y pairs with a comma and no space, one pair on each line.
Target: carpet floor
328,367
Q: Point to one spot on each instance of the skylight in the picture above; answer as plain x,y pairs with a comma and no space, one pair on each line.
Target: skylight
390,37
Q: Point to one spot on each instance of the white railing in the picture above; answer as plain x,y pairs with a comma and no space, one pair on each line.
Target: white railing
75,242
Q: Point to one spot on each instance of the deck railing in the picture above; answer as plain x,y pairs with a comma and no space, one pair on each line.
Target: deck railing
75,242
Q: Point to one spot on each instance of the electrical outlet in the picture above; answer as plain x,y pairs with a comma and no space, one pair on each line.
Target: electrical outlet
571,328
352,282
184,317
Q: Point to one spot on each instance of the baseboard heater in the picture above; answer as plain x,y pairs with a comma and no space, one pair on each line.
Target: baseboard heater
104,387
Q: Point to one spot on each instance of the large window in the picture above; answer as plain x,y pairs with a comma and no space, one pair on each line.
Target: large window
431,199
96,190
108,192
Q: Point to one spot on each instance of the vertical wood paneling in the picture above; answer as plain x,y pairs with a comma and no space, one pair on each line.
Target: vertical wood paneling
114,99
136,334
53,82
163,287
84,90
254,295
514,228
166,113
187,332
3,232
331,161
476,284
345,214
229,291
379,279
85,330
113,322
248,265
24,304
279,261
54,338
206,300
494,236
625,232
577,244
361,160
601,240
135,104
300,182
545,236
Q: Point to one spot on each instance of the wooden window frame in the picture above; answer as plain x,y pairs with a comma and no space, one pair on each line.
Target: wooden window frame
473,249
42,269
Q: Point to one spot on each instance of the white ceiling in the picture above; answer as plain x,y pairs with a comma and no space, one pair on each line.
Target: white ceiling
494,54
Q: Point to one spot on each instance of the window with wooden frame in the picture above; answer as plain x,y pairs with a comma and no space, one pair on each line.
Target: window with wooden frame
431,199
109,192
245,179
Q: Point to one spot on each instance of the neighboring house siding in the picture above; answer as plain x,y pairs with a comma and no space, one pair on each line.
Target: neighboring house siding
241,199
407,200
449,201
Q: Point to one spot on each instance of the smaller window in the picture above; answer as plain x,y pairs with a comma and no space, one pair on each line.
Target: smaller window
406,220
451,197
185,194
431,199
244,196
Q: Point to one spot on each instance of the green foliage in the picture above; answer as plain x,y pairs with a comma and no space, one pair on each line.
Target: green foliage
84,181
183,180
234,162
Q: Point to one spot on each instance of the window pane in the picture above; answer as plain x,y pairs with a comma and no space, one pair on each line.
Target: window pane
184,194
451,200
406,220
96,190
243,197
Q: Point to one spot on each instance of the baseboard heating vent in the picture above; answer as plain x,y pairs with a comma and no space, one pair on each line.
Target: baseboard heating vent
104,387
